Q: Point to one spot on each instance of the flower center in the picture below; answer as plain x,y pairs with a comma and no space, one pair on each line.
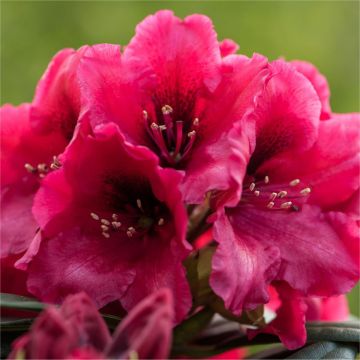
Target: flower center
133,216
274,196
173,139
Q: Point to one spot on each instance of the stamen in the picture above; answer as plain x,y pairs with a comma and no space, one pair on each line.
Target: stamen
154,126
252,186
257,193
305,191
167,109
273,196
286,205
161,221
30,168
42,168
294,182
145,114
116,224
55,165
114,217
270,204
191,133
104,228
105,222
266,179
138,203
105,235
196,122
95,216
282,194
130,231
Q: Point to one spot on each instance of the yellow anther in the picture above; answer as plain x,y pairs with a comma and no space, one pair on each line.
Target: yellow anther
282,194
104,228
167,109
130,231
116,224
191,133
286,205
154,126
105,222
252,186
273,196
270,204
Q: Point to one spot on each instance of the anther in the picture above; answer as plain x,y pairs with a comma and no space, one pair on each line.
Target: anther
252,186
154,126
42,168
162,127
282,194
294,182
161,221
95,216
114,217
257,193
116,224
138,203
55,163
130,231
273,196
286,205
191,133
305,191
105,235
196,122
167,109
145,114
105,222
270,204
104,228
266,179
29,168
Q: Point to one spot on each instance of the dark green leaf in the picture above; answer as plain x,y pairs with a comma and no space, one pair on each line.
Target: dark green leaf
20,302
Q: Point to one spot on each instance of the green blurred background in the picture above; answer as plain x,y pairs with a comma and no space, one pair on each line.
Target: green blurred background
323,32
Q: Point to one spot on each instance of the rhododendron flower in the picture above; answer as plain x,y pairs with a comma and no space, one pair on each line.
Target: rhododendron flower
290,224
112,224
77,331
178,92
32,137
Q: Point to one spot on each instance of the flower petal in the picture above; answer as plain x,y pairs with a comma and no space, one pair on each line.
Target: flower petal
319,83
242,267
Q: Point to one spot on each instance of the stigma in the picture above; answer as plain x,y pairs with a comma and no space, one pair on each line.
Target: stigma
265,194
173,137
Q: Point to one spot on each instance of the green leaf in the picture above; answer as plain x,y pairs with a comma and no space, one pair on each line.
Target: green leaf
13,301
15,324
344,331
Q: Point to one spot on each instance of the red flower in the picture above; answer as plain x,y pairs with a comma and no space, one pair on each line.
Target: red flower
77,331
112,223
173,92
291,224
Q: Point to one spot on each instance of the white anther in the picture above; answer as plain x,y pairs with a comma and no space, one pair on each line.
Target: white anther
162,127
161,221
42,168
104,228
105,235
130,231
116,224
138,203
196,122
145,114
191,133
286,205
167,109
252,186
305,191
114,217
257,193
55,163
105,222
282,194
270,204
154,126
266,179
273,196
294,182
29,168
95,216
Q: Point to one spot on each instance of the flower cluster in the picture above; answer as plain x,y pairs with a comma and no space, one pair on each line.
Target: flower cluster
127,155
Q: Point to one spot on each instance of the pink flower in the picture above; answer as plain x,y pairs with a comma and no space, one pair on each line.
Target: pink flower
290,224
177,91
77,331
32,137
112,224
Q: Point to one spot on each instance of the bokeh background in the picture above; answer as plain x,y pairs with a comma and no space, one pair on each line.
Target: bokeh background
323,32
